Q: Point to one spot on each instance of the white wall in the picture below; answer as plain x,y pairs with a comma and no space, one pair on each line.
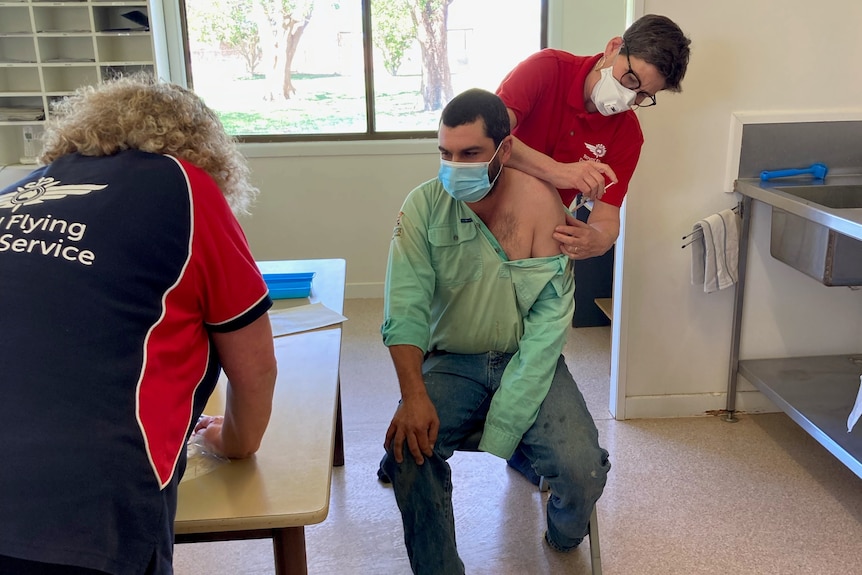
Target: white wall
746,56
335,200
585,27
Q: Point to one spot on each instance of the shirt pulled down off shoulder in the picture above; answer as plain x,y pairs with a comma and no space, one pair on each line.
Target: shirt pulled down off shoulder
544,289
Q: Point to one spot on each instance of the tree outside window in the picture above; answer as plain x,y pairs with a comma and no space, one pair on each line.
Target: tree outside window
288,69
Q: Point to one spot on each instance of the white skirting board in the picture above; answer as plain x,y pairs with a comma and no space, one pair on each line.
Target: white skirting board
695,404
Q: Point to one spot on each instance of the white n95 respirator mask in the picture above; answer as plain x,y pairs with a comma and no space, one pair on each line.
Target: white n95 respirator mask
611,97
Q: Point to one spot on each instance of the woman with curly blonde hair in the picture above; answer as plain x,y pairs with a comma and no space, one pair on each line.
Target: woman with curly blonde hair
127,287
138,112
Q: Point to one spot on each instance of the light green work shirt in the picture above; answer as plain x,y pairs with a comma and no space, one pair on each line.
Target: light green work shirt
450,287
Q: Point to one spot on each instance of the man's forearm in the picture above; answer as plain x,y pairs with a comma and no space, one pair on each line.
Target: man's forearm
408,367
605,219
533,162
608,235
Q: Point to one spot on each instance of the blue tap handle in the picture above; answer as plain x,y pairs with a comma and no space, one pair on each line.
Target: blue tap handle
818,171
769,174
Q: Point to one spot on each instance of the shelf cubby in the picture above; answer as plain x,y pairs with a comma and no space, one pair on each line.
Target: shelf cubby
17,50
68,19
15,20
66,49
128,48
19,80
31,109
67,79
112,19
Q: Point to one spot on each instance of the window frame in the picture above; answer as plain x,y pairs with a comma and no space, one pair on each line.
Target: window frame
370,134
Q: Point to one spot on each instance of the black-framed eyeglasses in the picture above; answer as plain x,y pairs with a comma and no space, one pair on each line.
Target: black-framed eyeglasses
631,81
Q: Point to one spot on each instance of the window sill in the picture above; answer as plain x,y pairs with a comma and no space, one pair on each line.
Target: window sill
352,148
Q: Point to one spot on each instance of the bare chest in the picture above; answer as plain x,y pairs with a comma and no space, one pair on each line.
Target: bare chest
515,238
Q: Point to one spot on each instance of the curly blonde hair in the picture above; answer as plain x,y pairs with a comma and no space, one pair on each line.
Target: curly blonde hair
141,113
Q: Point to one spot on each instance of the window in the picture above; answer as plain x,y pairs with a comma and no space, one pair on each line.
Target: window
350,69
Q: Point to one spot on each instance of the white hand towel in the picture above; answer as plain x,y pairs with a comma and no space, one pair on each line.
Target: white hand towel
715,252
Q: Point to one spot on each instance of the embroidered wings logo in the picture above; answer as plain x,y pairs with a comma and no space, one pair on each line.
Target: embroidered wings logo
599,150
42,190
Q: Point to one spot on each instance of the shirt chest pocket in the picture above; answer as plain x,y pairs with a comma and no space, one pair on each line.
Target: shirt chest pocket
456,253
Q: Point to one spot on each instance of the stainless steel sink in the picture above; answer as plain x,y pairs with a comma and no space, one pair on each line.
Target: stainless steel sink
822,253
831,196
812,248
816,225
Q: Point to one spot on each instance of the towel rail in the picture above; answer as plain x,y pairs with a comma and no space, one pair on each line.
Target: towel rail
695,235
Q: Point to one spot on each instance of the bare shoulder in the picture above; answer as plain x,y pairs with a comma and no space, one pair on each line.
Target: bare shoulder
539,210
539,199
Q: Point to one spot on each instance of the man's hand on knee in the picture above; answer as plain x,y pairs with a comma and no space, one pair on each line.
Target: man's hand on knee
416,422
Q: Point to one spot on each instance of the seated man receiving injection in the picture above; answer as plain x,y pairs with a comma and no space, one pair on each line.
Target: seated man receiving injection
478,299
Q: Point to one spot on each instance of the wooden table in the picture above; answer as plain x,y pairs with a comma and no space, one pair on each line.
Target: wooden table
286,484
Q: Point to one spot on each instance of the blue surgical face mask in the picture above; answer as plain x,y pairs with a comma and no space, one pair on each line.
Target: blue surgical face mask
467,181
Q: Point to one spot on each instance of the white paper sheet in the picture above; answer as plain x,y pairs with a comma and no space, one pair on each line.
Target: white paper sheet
857,408
303,318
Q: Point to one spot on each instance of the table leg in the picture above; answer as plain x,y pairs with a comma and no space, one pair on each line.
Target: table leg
288,548
338,454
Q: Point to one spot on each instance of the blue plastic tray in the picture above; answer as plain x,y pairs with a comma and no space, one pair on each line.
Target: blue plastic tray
284,286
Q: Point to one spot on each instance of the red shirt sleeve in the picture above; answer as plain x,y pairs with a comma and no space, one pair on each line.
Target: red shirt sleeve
231,286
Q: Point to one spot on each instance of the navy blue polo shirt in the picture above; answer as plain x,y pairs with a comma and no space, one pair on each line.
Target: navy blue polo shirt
113,273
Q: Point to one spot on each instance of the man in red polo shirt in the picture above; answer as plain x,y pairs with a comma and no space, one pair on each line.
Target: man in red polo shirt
574,126
574,123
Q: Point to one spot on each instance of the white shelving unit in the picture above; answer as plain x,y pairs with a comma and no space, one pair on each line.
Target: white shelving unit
48,49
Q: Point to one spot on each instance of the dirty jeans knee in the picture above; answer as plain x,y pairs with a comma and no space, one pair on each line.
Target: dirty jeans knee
573,496
424,497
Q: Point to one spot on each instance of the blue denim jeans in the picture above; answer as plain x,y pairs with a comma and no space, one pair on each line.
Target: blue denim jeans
562,446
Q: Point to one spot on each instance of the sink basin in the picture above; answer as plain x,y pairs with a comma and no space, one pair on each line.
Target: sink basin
831,258
814,249
832,196
816,226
